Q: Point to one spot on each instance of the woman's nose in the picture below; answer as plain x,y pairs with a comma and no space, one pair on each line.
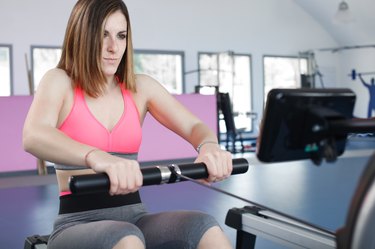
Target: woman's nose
112,45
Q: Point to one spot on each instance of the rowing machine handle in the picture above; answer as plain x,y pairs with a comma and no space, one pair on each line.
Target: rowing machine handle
155,175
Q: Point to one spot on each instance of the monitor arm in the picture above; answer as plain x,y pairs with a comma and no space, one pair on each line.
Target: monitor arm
323,128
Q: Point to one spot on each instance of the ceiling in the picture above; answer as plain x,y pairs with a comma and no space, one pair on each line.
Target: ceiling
361,31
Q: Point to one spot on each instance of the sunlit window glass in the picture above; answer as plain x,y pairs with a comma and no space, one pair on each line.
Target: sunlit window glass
165,66
43,59
5,70
283,72
231,73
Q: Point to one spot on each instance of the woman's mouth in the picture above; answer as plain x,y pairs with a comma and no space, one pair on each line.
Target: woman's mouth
110,60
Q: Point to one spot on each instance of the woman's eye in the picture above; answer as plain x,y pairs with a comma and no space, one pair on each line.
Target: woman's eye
122,36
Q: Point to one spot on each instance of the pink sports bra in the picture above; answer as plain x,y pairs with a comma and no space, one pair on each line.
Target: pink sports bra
82,126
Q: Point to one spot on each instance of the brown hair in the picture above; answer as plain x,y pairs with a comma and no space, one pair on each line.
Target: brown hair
82,47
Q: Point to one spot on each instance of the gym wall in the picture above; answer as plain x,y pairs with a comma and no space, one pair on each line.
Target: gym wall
255,27
158,143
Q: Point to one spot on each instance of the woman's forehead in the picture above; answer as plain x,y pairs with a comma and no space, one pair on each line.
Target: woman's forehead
117,21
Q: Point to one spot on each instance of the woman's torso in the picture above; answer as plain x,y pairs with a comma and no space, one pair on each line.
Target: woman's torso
108,115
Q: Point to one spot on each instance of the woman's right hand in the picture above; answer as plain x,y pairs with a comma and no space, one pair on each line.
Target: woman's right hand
125,175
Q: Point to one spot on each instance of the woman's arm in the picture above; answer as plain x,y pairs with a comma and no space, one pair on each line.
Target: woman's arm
42,138
363,81
40,134
173,115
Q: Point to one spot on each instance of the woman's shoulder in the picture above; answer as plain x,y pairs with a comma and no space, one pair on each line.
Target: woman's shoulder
147,84
58,74
55,81
143,79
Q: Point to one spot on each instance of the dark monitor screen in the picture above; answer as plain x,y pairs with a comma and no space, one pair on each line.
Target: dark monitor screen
294,124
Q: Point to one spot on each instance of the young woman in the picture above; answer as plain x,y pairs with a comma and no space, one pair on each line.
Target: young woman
86,117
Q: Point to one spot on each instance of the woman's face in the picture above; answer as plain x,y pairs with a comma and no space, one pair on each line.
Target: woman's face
114,42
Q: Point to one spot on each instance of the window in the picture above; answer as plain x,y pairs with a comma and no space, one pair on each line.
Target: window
43,58
283,72
5,70
165,66
230,73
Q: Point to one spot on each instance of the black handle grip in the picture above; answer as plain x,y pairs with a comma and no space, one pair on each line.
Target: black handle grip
154,175
199,170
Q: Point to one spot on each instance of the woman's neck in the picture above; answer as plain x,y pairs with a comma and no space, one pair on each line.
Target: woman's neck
111,83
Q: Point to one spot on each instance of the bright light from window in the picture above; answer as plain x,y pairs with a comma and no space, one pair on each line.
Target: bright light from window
43,59
5,71
230,73
166,67
283,72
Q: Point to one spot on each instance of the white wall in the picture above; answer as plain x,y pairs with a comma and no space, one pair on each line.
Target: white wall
256,27
26,23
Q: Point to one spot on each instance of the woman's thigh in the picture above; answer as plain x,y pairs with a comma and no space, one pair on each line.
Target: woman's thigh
94,235
180,229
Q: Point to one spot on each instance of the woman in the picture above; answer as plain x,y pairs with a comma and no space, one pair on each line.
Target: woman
86,117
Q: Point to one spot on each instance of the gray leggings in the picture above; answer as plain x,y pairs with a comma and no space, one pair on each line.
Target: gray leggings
103,228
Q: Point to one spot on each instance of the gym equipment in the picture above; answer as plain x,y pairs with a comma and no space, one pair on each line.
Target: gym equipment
252,221
297,124
233,134
152,175
36,242
309,124
354,74
359,226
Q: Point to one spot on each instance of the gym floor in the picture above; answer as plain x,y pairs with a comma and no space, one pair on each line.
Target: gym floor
320,195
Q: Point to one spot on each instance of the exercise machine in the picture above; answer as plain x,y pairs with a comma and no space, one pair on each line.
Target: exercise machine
152,175
297,124
309,124
253,221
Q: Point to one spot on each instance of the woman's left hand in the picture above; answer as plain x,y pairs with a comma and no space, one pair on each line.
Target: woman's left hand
218,162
